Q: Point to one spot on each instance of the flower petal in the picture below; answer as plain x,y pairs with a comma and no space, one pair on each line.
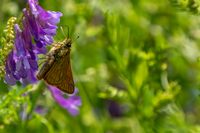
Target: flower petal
71,103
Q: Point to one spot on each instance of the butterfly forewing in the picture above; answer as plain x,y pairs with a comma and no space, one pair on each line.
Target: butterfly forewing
60,74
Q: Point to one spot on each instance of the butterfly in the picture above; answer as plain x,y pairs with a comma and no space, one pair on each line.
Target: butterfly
56,70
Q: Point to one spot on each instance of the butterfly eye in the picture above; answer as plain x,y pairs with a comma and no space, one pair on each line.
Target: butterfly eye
68,45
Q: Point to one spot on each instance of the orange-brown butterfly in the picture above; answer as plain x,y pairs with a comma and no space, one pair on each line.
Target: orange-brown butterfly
56,70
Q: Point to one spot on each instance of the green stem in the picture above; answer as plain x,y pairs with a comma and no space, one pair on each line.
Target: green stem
34,99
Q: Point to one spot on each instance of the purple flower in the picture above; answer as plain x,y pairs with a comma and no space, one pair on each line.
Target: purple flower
115,109
41,110
37,30
38,25
21,62
10,76
71,103
41,23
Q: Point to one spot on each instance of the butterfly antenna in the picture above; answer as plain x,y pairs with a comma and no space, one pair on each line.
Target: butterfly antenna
67,31
63,31
77,37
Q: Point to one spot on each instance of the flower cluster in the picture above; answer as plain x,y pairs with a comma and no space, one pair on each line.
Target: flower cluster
36,30
38,25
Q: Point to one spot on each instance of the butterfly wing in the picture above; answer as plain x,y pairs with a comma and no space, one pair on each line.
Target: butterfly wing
48,64
45,68
60,74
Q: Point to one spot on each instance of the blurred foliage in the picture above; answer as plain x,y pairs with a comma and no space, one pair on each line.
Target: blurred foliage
188,5
136,65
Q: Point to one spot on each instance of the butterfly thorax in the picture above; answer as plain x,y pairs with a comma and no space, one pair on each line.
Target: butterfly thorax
60,49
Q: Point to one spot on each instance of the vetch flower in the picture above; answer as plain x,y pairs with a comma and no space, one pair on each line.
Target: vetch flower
40,109
41,23
115,109
38,25
36,31
71,103
21,62
10,67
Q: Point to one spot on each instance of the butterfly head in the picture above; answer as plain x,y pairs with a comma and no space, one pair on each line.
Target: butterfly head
67,43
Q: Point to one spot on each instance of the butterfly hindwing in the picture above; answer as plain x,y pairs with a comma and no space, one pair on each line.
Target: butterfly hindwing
60,74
